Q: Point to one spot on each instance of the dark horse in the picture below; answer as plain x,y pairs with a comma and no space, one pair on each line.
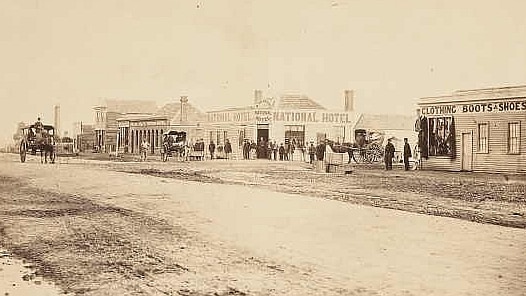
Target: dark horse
44,143
343,148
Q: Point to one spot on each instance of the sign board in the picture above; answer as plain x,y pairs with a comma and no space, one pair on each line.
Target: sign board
486,107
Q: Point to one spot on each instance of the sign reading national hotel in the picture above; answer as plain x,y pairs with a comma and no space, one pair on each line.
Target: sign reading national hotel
486,107
280,116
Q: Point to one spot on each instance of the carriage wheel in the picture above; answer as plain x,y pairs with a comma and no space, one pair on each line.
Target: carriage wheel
23,152
360,155
376,153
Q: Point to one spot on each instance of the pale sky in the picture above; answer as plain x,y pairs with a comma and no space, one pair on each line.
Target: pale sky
74,52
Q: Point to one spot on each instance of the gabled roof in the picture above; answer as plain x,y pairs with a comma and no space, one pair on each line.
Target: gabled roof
173,112
385,122
130,106
298,102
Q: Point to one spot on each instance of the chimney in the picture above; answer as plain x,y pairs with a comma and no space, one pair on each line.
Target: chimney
258,96
184,111
56,121
349,101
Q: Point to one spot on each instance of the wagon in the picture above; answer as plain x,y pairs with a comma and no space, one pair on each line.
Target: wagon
174,144
35,140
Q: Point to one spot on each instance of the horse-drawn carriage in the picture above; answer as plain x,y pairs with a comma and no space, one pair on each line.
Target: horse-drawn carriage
38,139
367,148
174,144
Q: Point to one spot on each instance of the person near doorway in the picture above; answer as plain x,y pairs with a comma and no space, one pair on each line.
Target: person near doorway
212,149
389,154
228,149
407,154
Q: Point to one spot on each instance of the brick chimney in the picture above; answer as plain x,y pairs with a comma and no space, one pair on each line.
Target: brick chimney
184,109
56,121
348,101
258,96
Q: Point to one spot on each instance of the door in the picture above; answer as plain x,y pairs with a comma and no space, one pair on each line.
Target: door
262,133
467,152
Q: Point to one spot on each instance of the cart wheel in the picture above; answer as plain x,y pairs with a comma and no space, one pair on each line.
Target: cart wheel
376,153
23,152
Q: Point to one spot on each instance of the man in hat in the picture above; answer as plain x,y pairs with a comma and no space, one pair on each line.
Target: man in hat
407,154
389,154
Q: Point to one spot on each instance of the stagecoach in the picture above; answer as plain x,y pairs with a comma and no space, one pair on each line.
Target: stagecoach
38,140
174,144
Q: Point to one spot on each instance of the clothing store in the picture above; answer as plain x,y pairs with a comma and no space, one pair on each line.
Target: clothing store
480,130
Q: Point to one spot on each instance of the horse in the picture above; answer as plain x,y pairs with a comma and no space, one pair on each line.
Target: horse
343,148
44,143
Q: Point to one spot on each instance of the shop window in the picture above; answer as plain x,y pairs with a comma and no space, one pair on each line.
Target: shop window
441,136
295,134
482,145
225,136
514,137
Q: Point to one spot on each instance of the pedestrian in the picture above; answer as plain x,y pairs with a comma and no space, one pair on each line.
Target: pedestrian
228,149
407,154
275,150
389,154
144,149
281,151
212,149
312,152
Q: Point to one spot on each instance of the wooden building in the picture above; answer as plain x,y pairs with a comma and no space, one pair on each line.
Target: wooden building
286,119
180,116
482,130
106,114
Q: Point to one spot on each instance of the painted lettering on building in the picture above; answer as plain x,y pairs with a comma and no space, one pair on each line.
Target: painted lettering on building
313,116
230,116
489,107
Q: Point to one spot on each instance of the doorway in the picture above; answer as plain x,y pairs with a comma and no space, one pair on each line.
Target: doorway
263,132
467,152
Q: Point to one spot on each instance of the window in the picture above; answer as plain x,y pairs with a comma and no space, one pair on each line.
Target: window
482,138
441,136
514,137
295,134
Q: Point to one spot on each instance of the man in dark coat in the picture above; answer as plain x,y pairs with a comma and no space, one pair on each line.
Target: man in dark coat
407,154
212,149
389,154
228,149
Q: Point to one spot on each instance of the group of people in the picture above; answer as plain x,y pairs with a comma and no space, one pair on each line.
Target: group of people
271,150
389,154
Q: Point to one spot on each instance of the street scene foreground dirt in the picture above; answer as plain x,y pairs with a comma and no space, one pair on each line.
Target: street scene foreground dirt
234,228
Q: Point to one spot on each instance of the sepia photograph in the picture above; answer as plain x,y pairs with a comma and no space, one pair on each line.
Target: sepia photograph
262,148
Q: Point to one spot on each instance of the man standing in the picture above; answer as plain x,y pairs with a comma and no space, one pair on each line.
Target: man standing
407,154
389,154
228,148
144,149
312,152
212,149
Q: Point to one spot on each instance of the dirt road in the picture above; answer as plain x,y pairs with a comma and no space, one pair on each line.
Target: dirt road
94,231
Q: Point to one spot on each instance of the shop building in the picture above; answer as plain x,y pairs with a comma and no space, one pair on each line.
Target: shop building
106,114
482,130
180,116
290,118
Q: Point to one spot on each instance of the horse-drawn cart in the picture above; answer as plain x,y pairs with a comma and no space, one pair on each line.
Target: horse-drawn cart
367,148
174,144
38,139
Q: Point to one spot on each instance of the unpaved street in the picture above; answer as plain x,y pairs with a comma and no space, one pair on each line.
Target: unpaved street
96,231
